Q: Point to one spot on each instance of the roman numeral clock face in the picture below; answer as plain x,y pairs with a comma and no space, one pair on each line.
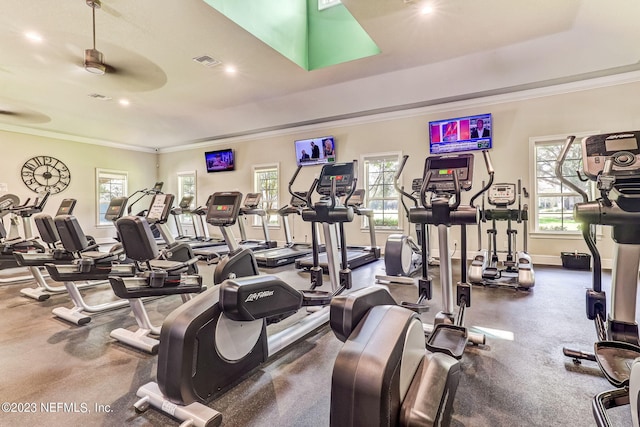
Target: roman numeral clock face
45,173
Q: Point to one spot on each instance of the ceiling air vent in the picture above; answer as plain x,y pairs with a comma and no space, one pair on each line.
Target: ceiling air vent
207,61
100,97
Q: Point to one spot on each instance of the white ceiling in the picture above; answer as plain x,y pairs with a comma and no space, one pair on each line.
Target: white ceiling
465,49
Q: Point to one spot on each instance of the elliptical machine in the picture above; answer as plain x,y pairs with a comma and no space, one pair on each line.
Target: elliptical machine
445,177
613,161
518,271
211,341
403,257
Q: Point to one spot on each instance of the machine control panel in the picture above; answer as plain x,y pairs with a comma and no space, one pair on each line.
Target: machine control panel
66,207
116,208
622,147
443,168
252,200
341,173
502,194
160,208
185,202
416,185
223,208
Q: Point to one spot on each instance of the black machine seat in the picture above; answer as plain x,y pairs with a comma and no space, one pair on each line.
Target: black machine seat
139,244
383,376
74,240
47,228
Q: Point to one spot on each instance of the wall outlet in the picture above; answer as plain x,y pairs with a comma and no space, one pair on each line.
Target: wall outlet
455,243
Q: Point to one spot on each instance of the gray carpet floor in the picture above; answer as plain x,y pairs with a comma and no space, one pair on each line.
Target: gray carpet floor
60,374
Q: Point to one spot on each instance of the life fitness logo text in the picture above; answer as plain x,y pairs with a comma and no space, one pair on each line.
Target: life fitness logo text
258,295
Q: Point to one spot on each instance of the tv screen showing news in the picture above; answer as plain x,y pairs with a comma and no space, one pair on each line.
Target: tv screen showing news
219,160
460,134
315,151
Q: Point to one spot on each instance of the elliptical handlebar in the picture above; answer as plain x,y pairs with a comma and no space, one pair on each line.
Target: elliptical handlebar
490,171
355,183
293,193
560,162
423,190
396,182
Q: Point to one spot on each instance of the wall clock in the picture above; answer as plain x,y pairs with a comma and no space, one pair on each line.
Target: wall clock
45,173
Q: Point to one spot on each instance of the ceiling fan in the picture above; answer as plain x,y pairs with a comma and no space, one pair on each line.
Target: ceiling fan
93,58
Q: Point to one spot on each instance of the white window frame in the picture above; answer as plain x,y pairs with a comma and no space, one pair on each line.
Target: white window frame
268,205
187,219
365,159
114,174
534,142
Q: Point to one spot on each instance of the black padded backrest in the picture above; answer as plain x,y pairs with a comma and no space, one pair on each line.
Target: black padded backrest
137,238
71,235
375,367
46,228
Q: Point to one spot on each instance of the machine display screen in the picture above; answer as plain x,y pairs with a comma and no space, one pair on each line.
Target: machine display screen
621,144
224,203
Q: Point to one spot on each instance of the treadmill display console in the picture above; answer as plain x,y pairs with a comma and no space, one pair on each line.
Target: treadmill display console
622,147
224,208
116,208
442,169
252,200
66,207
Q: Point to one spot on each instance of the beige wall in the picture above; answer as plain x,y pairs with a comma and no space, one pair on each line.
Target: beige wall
612,108
82,160
514,122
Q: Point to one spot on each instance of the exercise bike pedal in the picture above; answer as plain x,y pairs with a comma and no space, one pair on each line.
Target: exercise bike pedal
414,306
448,339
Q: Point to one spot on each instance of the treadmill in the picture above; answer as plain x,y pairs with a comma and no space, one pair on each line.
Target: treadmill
213,253
201,239
250,207
288,254
356,255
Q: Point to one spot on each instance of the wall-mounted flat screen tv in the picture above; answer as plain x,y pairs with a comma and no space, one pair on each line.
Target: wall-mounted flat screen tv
460,134
220,160
315,151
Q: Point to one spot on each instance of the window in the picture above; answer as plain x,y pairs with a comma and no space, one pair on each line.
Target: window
381,195
109,184
187,187
265,181
553,201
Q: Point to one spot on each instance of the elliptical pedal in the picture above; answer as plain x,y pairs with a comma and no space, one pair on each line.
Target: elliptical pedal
448,339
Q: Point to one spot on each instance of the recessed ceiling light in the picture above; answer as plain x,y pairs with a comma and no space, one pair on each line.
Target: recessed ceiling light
426,9
230,69
34,37
124,102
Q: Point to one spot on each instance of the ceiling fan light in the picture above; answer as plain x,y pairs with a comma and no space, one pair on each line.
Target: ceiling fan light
93,62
